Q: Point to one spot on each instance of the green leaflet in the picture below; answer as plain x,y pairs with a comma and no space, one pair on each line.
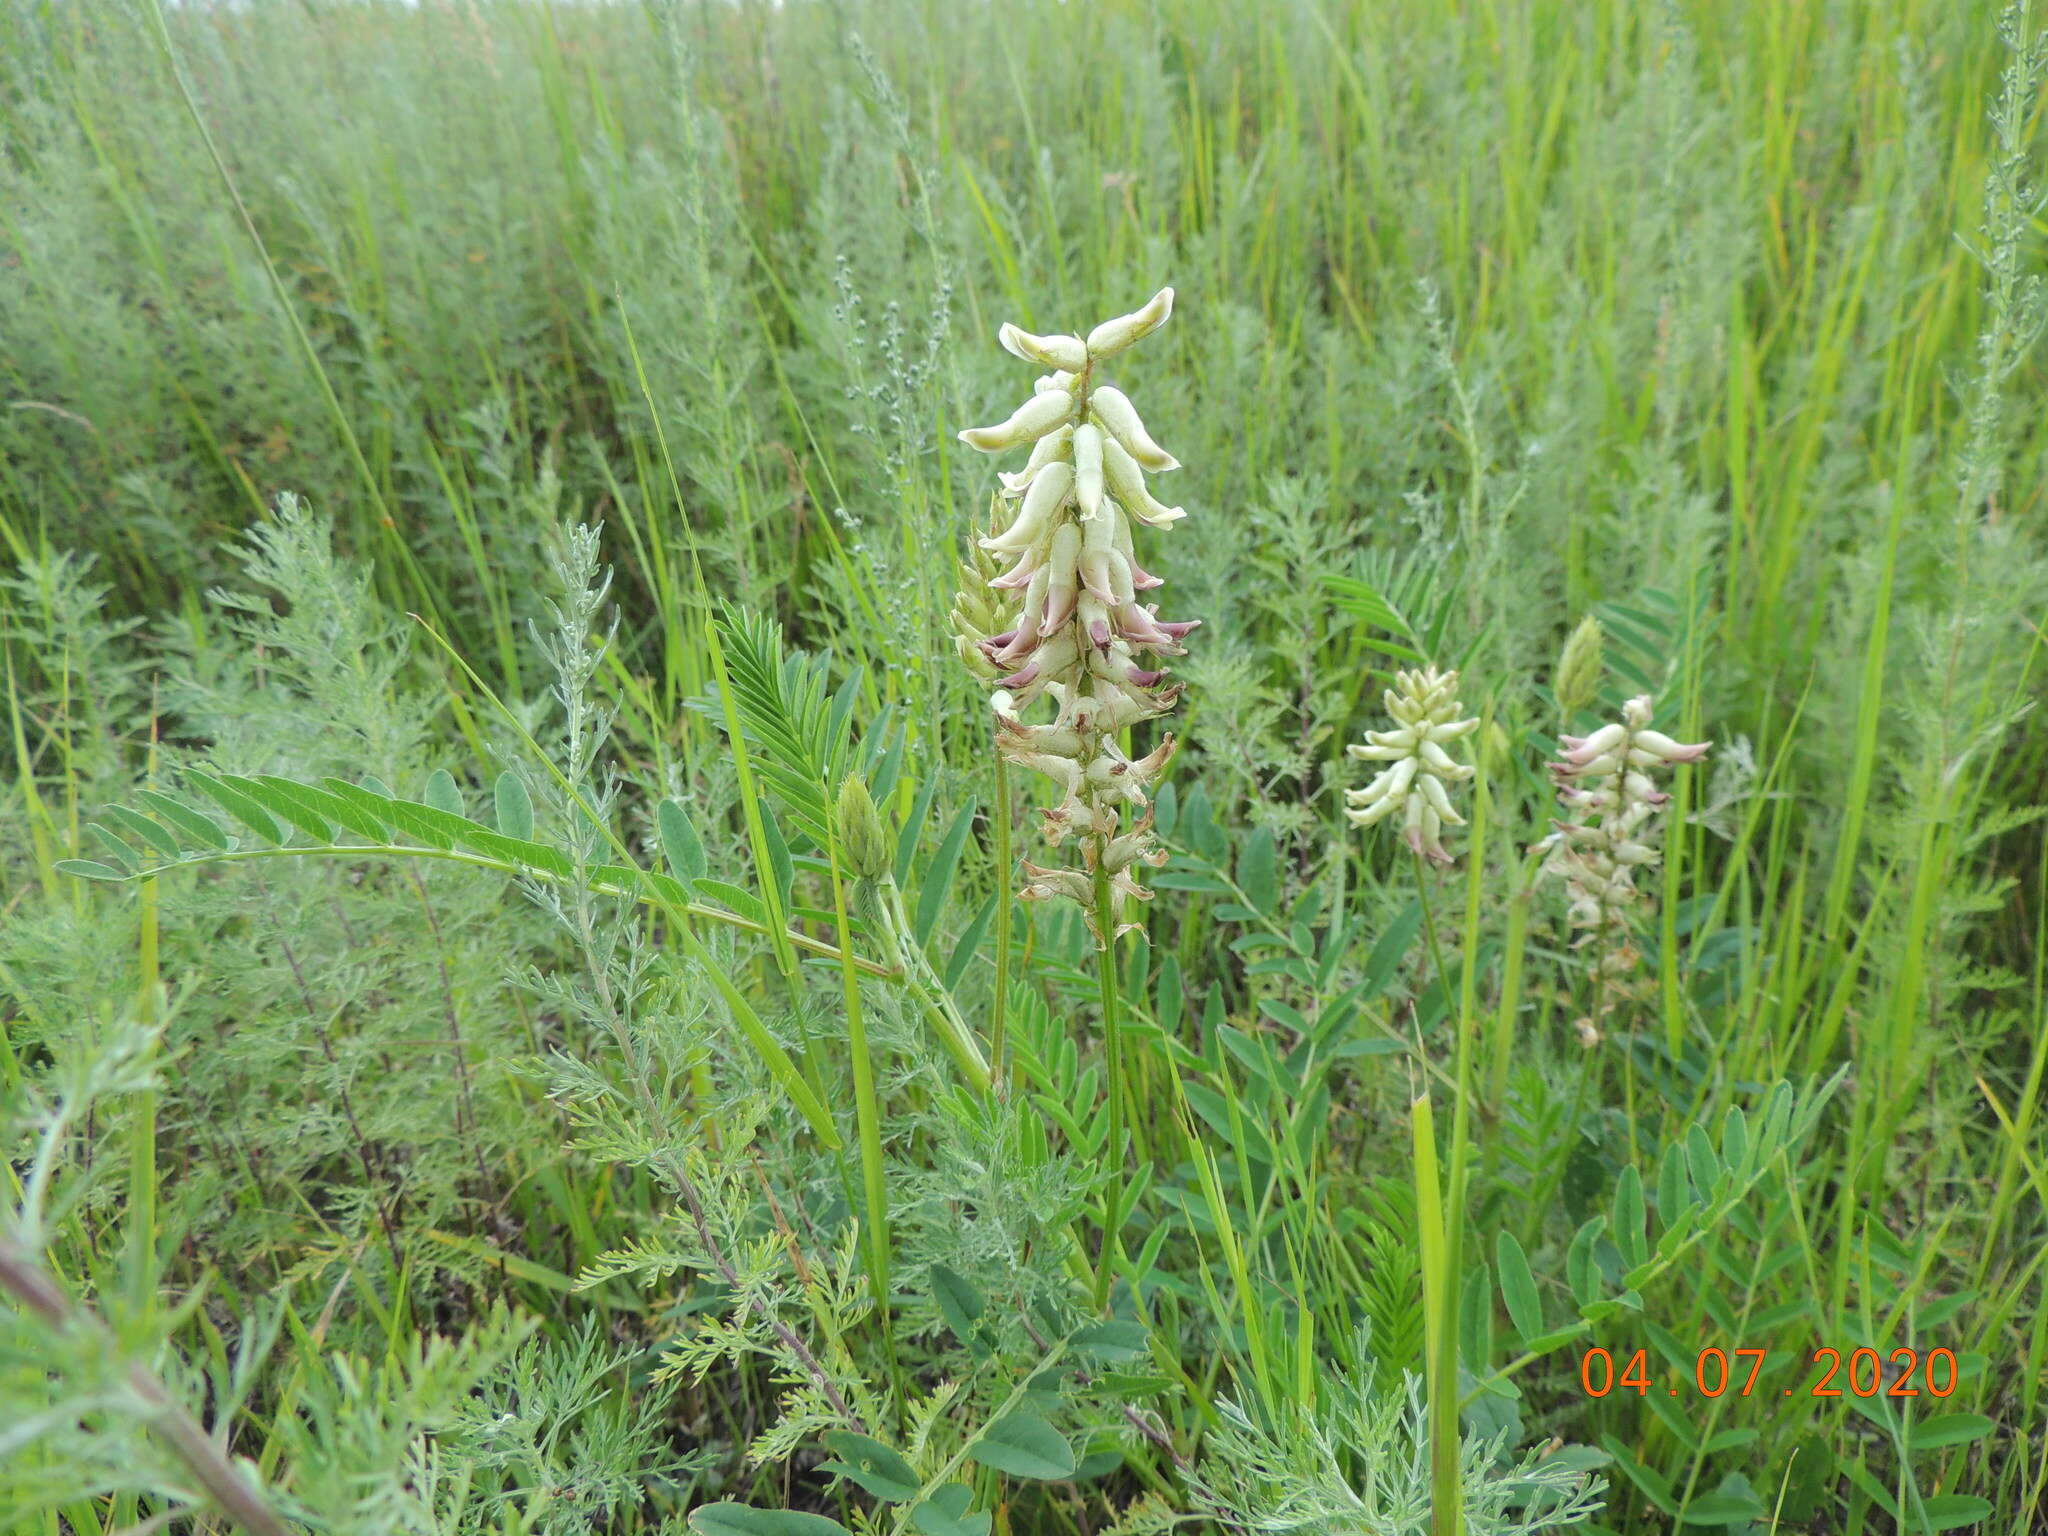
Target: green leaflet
1024,1445
729,1519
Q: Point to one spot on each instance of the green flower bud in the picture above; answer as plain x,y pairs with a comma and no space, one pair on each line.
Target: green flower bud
1577,680
1495,750
863,841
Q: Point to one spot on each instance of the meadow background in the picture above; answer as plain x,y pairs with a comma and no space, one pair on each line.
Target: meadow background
460,1203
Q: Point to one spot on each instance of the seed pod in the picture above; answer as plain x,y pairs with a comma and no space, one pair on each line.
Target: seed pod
1113,409
1112,336
1068,352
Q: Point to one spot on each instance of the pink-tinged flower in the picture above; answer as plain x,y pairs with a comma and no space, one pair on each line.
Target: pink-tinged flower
1144,628
1609,832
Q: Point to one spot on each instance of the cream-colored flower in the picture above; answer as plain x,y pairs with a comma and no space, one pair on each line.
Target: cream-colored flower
1112,336
1420,771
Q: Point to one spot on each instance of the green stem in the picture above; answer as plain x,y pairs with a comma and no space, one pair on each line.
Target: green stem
142,1164
915,972
867,1110
1510,993
1436,953
1439,1326
1112,1012
1112,1050
1006,869
1440,1207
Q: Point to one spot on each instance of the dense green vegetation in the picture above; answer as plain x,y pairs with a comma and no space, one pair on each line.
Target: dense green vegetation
478,482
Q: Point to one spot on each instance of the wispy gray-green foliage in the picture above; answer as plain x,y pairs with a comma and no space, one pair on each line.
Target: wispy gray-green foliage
516,1182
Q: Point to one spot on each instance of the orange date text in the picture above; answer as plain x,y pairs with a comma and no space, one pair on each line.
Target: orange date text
1718,1372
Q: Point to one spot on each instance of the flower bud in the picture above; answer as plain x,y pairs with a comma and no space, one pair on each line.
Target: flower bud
1088,469
1029,422
1119,418
863,841
1126,482
1496,750
1068,352
1577,679
1112,336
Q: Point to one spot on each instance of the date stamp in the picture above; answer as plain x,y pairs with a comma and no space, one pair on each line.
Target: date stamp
1721,1372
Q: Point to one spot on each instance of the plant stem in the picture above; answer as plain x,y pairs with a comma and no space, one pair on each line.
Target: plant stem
867,1110
1112,1020
142,1163
229,1488
1436,953
1510,992
1006,868
1440,1207
1439,1325
914,971
1112,1050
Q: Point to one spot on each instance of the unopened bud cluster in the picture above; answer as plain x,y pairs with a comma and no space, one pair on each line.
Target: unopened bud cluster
1078,634
1577,679
1610,830
1420,771
863,841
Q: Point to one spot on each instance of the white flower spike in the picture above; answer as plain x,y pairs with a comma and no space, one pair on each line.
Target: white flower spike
1078,634
1424,706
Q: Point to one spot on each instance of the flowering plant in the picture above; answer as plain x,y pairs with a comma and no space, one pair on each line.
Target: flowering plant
1079,635
1425,708
1609,831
